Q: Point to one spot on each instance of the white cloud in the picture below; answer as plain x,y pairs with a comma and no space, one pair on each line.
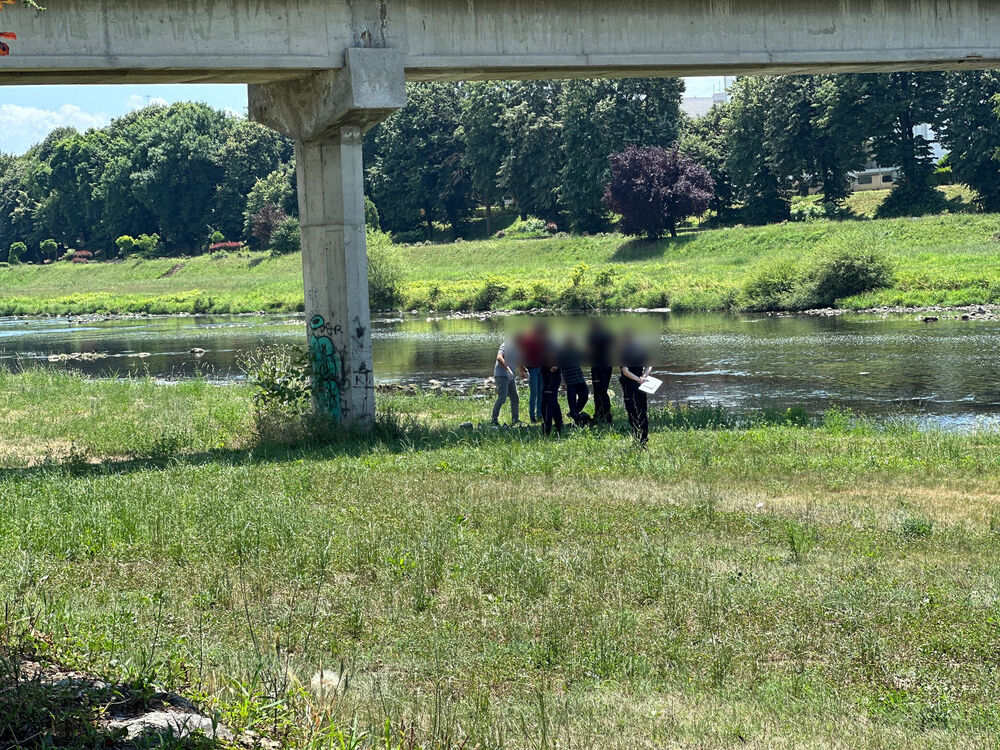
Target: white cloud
23,127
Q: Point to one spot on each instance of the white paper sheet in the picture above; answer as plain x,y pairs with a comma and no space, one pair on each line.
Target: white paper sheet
651,386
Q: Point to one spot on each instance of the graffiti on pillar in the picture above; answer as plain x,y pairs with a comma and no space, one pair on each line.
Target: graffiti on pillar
327,368
4,47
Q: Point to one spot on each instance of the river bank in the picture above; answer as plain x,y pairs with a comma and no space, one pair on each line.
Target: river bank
774,585
946,260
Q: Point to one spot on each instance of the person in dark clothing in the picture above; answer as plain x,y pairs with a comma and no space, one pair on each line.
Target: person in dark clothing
635,370
600,342
532,345
551,377
570,361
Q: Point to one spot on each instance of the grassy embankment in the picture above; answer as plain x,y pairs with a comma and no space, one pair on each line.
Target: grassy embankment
952,259
832,585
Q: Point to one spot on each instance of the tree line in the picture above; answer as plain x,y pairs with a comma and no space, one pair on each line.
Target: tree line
177,179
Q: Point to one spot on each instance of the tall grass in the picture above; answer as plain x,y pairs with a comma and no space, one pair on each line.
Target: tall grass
767,581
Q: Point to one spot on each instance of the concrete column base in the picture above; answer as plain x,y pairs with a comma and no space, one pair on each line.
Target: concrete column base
327,115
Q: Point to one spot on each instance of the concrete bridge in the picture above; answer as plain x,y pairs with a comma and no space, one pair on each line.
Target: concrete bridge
324,71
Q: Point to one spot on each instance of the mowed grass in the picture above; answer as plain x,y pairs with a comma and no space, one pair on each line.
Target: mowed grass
828,585
951,259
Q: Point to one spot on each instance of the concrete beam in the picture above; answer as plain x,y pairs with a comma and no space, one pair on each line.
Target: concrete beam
255,41
368,89
327,115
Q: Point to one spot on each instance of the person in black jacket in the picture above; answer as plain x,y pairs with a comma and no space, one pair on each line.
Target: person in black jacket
600,343
577,393
551,381
635,370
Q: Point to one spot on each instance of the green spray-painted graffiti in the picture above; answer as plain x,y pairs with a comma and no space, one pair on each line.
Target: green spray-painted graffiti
327,369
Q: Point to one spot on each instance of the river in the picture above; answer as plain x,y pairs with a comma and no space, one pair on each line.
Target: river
945,373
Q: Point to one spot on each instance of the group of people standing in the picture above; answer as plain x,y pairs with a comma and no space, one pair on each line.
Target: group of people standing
552,366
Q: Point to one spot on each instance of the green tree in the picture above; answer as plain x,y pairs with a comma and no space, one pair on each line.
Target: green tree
274,190
485,141
814,131
705,140
175,172
763,191
531,170
286,237
899,103
970,130
49,249
248,153
416,173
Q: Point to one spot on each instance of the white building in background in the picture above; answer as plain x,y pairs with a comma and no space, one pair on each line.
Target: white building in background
698,106
874,177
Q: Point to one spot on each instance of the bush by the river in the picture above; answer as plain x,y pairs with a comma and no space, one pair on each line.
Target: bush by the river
819,280
385,270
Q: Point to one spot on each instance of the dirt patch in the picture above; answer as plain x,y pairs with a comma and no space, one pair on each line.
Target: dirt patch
174,269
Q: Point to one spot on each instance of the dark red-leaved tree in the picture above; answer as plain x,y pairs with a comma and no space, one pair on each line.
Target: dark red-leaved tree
654,188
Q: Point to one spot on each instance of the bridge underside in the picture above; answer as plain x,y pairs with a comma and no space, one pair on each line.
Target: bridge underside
472,72
323,71
252,41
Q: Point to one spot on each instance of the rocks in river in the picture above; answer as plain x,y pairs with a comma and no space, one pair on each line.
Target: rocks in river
77,357
930,319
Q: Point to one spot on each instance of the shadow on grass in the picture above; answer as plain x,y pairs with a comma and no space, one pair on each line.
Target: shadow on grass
44,706
643,249
397,434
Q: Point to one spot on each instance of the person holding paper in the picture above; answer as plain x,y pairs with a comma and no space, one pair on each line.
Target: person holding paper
635,371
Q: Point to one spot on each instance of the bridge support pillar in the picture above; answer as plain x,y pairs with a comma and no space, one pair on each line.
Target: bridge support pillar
327,115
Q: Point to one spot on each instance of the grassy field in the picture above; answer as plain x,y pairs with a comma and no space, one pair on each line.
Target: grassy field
951,259
832,584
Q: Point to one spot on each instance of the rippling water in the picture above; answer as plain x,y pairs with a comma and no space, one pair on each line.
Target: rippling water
945,373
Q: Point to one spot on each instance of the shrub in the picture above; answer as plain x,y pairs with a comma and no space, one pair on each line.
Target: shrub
769,286
147,244
943,176
807,211
82,256
280,379
217,238
385,271
49,249
17,251
287,237
372,220
125,244
843,272
552,228
528,229
492,292
265,223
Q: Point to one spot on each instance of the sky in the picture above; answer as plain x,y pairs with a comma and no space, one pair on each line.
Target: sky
29,113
